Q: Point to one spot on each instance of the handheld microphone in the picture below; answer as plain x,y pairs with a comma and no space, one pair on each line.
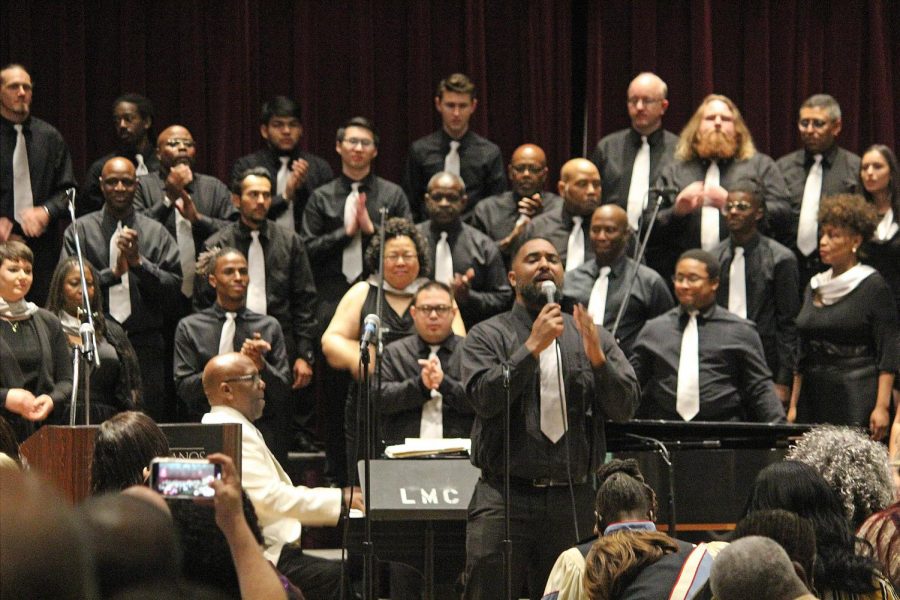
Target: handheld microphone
370,329
549,290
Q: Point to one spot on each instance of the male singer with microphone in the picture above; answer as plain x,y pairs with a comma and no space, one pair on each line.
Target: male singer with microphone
547,451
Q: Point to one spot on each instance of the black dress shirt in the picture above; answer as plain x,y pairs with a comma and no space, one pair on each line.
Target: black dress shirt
650,296
50,167
290,289
489,290
674,234
735,382
90,196
555,225
480,166
403,394
497,215
318,174
607,392
49,164
840,175
211,197
197,341
615,154
153,285
773,298
323,228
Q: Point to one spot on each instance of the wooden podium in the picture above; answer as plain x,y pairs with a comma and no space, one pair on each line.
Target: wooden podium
63,454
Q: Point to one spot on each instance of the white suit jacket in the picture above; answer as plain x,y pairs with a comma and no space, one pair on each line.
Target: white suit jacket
280,506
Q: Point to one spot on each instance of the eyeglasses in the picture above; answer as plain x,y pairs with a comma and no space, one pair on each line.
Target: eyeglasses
175,142
738,206
253,377
441,309
365,143
533,169
392,258
816,123
691,279
451,198
645,101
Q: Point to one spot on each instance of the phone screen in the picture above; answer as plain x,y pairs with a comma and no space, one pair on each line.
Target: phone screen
184,478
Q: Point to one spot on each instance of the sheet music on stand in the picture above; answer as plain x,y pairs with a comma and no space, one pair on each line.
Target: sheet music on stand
418,447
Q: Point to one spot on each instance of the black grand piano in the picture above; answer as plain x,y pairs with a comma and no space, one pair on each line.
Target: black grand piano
419,506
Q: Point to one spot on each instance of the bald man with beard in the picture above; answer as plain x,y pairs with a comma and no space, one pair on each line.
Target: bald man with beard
191,205
715,151
148,267
601,284
566,225
503,217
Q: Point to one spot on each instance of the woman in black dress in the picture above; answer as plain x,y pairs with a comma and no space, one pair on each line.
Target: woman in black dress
35,364
847,328
116,384
405,264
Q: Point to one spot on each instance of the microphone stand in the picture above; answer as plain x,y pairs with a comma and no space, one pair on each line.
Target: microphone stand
664,453
639,255
507,541
87,350
368,544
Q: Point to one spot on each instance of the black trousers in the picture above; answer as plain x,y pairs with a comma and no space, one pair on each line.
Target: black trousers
317,578
541,528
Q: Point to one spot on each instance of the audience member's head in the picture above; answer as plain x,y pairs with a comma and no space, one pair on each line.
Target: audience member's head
123,449
43,547
133,542
755,568
882,531
852,464
799,488
622,494
792,532
208,556
616,559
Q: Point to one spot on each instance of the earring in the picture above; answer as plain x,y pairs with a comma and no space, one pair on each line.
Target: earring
854,249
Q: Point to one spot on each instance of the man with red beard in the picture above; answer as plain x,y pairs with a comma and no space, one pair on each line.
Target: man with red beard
715,150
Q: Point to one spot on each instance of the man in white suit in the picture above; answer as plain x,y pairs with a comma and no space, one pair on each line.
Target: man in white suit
235,391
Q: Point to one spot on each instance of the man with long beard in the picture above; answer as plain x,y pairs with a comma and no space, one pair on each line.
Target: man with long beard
715,151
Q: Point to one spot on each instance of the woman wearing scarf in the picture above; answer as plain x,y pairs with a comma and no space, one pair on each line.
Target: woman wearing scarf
35,363
880,178
405,259
116,384
847,328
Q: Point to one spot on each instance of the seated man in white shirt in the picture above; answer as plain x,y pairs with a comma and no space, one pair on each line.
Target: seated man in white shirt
236,394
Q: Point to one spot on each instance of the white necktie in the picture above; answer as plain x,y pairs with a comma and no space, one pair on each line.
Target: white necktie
443,260
640,183
808,227
351,258
23,199
141,168
285,219
687,394
226,339
709,215
187,252
553,396
256,267
597,302
575,248
451,161
432,423
737,284
119,294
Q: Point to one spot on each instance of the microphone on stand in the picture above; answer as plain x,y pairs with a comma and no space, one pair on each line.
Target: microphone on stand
370,329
